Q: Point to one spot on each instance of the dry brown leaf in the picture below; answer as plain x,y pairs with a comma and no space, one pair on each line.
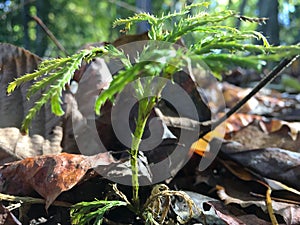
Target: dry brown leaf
290,212
261,104
254,131
48,175
229,217
273,163
253,137
240,120
277,125
15,146
15,62
44,137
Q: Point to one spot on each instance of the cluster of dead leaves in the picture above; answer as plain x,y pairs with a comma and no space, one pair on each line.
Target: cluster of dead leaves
259,154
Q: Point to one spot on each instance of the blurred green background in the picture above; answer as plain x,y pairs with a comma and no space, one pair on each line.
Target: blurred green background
77,22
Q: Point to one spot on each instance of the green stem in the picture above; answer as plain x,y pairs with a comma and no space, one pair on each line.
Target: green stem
145,107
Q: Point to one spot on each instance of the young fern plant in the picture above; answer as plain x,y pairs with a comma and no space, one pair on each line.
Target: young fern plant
217,45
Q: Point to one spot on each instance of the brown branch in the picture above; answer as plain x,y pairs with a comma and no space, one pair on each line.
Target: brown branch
50,34
180,122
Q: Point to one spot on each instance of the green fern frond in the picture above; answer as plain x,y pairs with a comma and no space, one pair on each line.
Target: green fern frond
152,62
58,73
191,24
220,62
43,69
42,84
231,46
114,53
92,212
117,85
260,36
136,18
171,16
37,107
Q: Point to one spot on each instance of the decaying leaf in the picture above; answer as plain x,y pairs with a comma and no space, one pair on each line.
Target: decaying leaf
15,62
203,214
233,216
273,163
261,104
253,137
289,212
15,146
254,131
45,135
277,125
239,121
48,175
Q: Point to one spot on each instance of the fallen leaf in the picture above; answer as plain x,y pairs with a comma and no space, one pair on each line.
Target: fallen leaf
277,125
15,62
273,163
48,175
253,137
15,146
266,102
229,216
289,212
238,121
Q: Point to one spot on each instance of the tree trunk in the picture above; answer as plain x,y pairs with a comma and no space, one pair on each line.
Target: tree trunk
269,9
25,16
41,42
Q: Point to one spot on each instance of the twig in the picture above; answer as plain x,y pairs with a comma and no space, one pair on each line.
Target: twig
276,199
270,208
50,34
30,200
180,122
207,126
267,79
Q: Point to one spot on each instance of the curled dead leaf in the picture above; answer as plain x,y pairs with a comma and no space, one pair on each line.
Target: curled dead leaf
49,175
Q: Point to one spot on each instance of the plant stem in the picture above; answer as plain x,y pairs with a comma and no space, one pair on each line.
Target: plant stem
145,107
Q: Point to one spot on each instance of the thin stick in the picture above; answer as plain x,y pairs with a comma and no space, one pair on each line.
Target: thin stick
270,208
207,126
267,79
50,34
30,200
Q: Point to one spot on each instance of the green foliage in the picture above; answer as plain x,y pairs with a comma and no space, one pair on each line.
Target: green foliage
149,64
78,22
55,74
218,45
92,212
